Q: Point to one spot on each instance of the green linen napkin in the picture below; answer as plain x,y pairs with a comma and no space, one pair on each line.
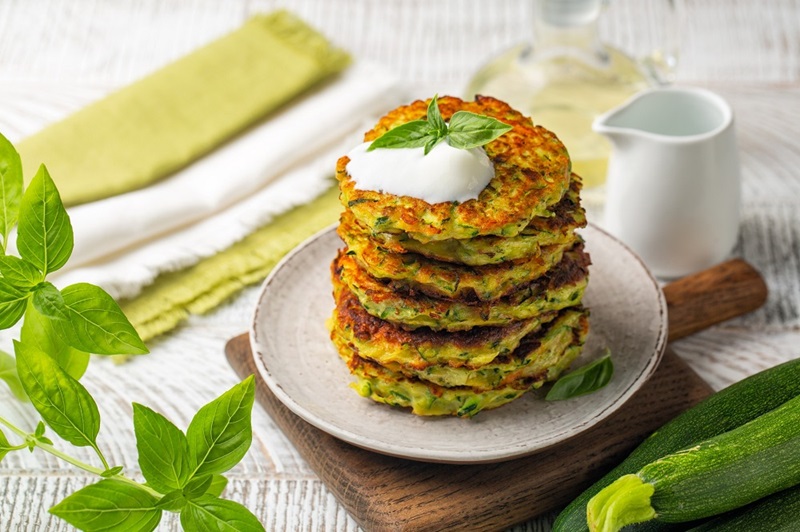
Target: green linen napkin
200,288
158,125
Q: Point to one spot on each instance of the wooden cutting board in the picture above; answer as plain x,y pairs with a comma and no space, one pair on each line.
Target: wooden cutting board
386,493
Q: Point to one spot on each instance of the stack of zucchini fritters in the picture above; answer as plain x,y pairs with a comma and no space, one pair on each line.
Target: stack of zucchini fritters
453,308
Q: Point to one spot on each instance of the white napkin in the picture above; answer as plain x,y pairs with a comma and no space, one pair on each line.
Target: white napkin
124,242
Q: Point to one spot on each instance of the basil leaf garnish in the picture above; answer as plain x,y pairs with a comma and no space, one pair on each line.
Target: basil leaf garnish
435,117
469,130
409,135
586,379
465,131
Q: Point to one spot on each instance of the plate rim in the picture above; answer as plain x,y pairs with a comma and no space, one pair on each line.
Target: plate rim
443,456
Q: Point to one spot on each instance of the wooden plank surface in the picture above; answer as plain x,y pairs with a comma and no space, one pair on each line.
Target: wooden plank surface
386,493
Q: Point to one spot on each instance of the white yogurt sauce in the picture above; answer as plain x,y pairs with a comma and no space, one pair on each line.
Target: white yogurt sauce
445,174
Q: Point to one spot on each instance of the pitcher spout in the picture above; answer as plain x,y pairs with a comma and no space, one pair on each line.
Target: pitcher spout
670,114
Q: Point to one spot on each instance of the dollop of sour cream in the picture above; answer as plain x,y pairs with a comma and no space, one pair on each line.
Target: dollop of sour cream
445,174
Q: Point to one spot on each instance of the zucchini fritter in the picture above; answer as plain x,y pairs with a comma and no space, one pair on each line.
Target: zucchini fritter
447,279
532,172
561,287
556,227
539,357
389,343
426,398
456,307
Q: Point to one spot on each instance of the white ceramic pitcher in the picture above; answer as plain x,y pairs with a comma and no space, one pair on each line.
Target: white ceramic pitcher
674,185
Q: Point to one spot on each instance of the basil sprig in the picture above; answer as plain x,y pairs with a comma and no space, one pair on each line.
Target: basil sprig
465,131
584,380
60,328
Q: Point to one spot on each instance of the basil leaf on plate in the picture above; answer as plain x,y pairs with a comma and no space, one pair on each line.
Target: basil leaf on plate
582,381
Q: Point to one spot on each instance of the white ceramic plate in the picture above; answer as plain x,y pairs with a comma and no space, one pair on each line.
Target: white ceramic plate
295,357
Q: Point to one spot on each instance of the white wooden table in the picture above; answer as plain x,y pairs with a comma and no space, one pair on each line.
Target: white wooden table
56,56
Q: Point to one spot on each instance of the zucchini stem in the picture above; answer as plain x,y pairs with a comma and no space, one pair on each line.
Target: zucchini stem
623,502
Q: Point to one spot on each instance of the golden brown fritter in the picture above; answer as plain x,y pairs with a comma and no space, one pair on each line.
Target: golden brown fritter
428,399
388,343
557,227
532,172
538,358
446,279
561,287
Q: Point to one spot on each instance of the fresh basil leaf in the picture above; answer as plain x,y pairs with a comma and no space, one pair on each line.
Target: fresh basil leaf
197,487
44,234
435,117
108,505
431,143
38,332
220,433
217,486
469,130
96,324
163,450
8,374
111,472
174,501
62,401
586,379
49,301
39,432
12,304
221,515
5,446
10,188
19,272
415,134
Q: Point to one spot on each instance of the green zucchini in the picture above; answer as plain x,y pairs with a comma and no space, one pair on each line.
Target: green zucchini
725,410
717,475
779,512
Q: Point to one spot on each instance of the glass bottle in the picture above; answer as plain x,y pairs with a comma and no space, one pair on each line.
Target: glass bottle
564,79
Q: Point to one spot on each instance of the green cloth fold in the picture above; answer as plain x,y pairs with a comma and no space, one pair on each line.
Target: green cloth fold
202,287
163,122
